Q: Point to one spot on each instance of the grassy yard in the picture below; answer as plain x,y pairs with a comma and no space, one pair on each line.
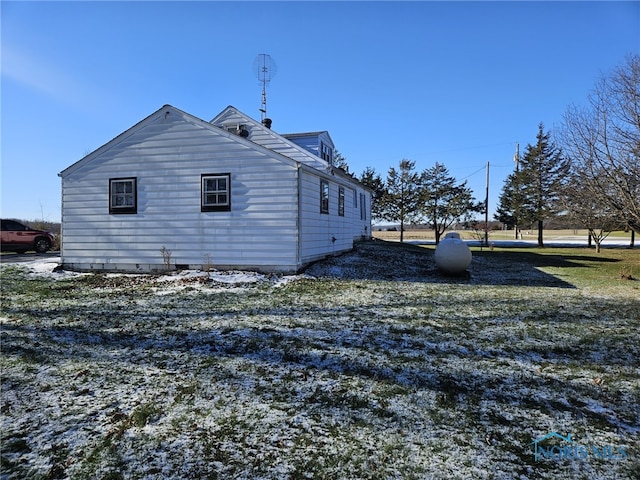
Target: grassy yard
370,365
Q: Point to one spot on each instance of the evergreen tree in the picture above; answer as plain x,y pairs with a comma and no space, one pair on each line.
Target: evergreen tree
372,179
444,202
401,200
340,162
541,175
510,203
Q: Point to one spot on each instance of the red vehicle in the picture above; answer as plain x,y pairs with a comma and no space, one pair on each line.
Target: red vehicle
16,237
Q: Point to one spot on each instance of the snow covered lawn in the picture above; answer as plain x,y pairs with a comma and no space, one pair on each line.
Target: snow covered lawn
368,366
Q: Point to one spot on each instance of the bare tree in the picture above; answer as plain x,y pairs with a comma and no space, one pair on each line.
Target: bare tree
602,140
599,218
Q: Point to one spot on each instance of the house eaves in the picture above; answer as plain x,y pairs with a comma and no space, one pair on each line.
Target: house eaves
274,135
165,111
327,170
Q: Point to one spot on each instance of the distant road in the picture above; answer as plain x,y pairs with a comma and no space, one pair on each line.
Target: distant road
26,257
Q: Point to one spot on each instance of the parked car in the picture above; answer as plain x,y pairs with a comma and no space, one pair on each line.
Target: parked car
16,237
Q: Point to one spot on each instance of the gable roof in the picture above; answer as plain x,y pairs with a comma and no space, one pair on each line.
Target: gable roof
282,143
262,138
322,133
159,114
266,137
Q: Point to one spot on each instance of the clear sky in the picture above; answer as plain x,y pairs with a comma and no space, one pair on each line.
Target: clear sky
452,82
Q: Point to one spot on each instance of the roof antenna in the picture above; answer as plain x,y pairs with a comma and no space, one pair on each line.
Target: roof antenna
265,69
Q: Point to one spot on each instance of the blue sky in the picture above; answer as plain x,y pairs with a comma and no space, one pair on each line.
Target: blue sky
452,82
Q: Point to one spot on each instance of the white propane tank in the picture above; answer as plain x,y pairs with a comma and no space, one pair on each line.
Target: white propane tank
452,254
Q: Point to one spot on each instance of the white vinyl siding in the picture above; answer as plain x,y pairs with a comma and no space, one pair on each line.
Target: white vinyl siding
272,223
322,234
258,232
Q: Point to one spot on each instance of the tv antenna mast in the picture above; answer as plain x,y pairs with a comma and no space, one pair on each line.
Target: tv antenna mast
265,69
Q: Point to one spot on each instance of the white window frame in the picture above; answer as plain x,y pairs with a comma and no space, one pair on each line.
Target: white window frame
123,195
325,194
218,199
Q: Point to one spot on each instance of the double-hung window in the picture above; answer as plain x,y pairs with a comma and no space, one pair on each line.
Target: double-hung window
324,196
326,153
123,196
216,192
341,201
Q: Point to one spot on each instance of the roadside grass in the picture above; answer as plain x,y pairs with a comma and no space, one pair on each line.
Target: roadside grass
579,266
372,365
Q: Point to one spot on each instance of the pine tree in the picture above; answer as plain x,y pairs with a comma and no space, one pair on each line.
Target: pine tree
372,179
401,201
340,162
510,203
444,202
541,175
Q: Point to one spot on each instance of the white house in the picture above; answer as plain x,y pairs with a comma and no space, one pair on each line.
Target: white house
228,194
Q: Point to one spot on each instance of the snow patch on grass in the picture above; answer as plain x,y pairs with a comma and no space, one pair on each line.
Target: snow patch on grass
369,365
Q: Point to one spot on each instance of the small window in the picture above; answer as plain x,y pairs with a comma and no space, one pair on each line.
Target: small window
216,192
363,210
341,201
326,153
123,196
324,196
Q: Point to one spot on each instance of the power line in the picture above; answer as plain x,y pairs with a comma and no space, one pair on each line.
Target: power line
468,148
472,174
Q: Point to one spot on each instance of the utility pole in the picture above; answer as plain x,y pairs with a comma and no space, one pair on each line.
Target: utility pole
486,211
516,158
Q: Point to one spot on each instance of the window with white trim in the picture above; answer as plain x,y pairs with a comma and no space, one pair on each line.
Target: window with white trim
341,201
123,197
326,152
324,196
215,192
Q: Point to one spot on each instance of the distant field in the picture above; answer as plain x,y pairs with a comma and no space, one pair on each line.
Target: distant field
531,235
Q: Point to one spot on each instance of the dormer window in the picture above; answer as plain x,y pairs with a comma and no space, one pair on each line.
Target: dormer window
326,153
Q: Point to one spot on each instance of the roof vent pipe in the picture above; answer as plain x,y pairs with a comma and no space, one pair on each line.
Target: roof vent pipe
267,123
